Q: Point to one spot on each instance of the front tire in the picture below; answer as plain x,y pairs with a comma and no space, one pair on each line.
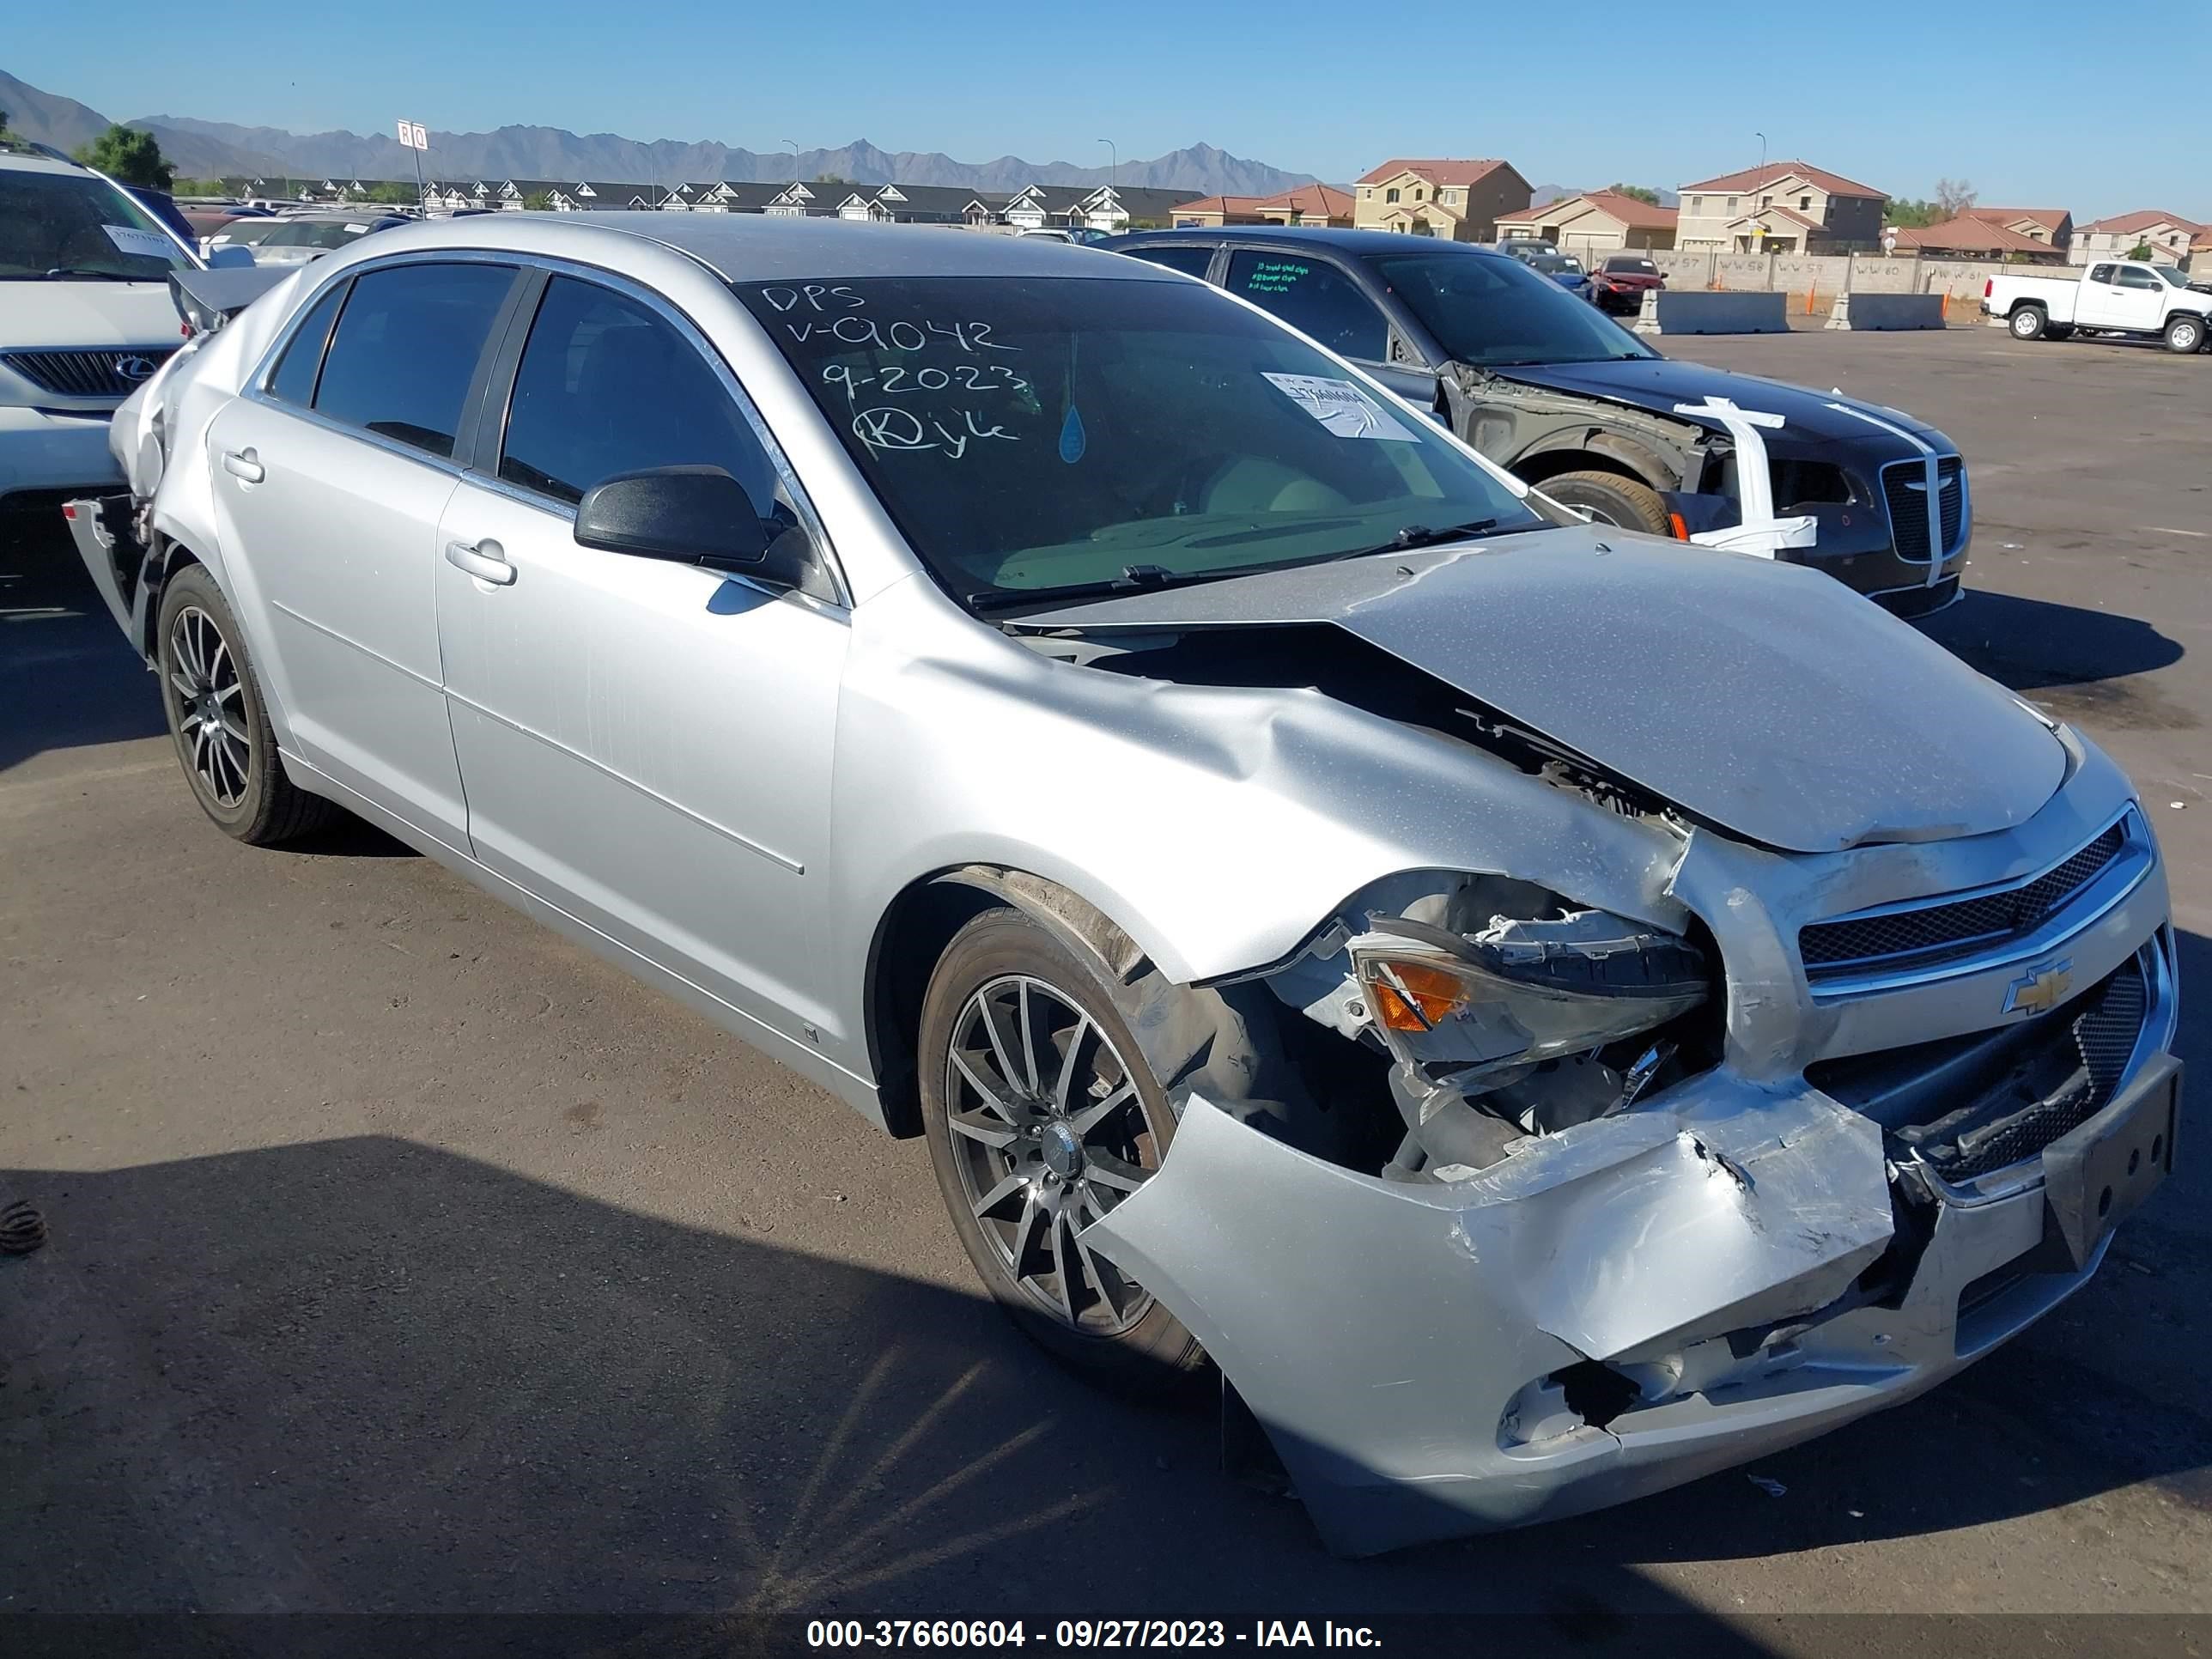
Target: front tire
2185,335
1041,1116
2028,322
1612,500
218,722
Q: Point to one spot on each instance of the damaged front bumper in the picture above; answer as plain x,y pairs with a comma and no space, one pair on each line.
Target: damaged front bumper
1727,1270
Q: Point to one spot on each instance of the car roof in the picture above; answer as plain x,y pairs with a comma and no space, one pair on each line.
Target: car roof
17,161
1358,243
758,247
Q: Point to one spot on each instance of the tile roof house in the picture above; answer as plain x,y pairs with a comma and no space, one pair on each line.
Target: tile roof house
2054,226
1457,199
1787,207
1305,205
2168,236
1969,236
1595,223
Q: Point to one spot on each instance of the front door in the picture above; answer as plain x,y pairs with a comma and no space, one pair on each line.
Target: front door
646,745
2119,297
330,482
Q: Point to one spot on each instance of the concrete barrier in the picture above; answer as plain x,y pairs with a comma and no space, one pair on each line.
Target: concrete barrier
1700,312
1863,312
1647,313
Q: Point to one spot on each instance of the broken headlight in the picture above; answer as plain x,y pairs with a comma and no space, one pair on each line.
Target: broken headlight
1474,1007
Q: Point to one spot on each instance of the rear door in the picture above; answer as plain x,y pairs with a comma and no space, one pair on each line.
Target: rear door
1325,299
646,745
330,479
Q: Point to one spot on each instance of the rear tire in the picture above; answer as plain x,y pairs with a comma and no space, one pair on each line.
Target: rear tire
1050,1146
2185,335
1611,499
218,722
2029,323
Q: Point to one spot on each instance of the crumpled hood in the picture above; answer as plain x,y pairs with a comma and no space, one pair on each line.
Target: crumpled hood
63,314
1763,697
1659,383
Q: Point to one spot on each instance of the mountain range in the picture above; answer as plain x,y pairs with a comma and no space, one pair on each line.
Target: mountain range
207,149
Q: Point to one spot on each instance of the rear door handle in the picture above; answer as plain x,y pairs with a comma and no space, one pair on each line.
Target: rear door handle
485,561
243,463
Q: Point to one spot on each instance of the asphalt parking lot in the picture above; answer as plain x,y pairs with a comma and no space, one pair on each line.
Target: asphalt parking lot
404,1258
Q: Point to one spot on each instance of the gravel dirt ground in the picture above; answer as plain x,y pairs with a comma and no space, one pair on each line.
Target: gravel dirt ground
404,1258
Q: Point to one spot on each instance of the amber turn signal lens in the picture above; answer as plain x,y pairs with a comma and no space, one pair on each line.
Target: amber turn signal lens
1411,996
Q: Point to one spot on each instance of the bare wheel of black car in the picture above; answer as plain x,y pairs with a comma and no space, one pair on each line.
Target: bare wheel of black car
1043,1117
1609,498
217,718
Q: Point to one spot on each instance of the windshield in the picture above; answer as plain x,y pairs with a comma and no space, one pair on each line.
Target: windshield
1644,265
1028,434
1489,311
2173,278
74,227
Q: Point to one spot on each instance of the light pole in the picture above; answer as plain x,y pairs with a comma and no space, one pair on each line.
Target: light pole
793,143
1113,163
1762,149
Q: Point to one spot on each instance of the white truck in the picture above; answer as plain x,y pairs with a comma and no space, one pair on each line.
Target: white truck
2111,296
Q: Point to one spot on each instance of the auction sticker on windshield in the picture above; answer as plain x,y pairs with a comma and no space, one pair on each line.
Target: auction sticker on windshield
1341,406
150,243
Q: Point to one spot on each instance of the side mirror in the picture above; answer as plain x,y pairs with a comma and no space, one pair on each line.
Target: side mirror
689,515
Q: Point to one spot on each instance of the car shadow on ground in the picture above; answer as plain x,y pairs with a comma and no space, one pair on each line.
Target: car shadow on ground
371,1375
2033,645
67,677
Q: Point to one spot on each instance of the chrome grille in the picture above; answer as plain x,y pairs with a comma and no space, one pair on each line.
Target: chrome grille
1904,492
85,372
1939,931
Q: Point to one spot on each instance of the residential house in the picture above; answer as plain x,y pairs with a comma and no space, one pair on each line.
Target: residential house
1211,212
1458,200
1593,224
1311,206
2168,236
1077,207
729,196
1784,207
911,205
2052,226
801,200
1969,236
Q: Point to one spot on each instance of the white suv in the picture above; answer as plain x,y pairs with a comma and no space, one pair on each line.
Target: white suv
85,318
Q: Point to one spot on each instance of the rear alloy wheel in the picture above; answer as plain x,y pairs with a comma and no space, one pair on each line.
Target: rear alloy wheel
2028,322
2185,335
1610,499
1043,1118
223,738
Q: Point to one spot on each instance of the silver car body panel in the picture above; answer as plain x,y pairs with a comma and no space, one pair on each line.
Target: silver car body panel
614,699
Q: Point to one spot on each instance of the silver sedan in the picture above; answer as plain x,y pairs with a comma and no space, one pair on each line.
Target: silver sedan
1547,1012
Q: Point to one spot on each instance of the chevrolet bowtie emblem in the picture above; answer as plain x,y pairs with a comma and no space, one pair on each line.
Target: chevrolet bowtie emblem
2040,989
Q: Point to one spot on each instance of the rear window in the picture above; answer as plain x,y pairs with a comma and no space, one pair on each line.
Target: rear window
405,350
1643,267
1191,261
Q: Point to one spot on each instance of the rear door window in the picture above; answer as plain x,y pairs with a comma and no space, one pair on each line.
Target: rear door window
1313,295
405,351
294,382
1191,261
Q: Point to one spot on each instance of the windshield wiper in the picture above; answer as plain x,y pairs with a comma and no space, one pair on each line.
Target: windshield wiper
1418,535
1134,578
82,273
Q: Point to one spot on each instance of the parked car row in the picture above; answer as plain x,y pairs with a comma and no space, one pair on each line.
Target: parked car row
1548,1011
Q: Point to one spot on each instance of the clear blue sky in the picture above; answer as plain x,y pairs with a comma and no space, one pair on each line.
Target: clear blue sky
1893,93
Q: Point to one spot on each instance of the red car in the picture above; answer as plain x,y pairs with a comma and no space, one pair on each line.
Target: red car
1618,282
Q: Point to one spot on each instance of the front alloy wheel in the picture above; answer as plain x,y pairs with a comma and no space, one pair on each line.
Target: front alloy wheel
1050,1135
1044,1115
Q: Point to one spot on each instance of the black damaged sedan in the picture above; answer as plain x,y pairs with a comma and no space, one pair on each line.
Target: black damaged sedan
1568,400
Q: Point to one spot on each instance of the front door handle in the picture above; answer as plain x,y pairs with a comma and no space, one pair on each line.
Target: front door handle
243,463
485,561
